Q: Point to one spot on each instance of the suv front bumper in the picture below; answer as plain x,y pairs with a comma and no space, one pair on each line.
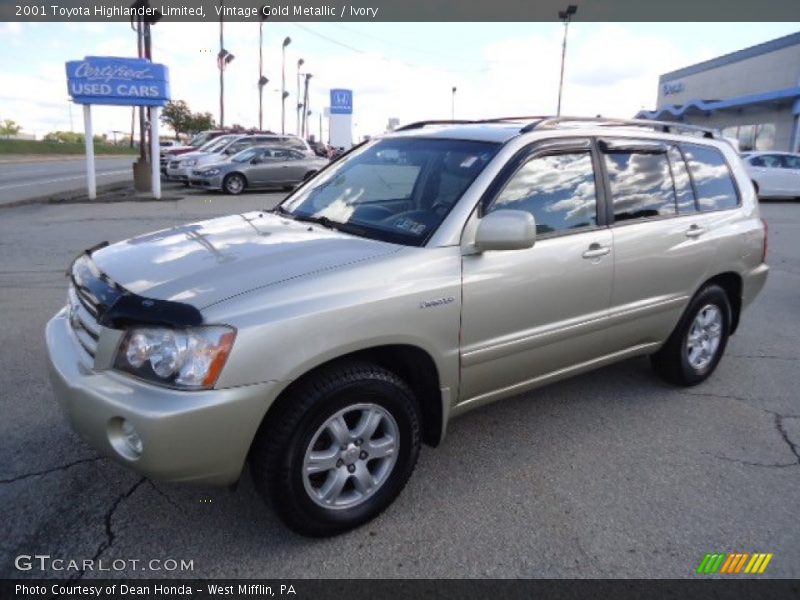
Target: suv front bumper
201,436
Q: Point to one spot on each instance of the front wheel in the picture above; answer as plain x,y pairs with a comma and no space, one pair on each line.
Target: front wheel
234,184
338,449
696,345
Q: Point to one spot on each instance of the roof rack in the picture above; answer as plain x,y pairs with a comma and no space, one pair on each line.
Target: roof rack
662,126
421,124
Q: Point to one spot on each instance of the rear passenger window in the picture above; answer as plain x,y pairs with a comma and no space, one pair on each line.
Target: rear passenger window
641,185
712,178
683,184
558,190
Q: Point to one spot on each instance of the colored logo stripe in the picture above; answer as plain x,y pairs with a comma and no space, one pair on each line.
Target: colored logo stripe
734,562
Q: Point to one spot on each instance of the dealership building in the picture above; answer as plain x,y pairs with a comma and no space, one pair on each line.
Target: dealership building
752,95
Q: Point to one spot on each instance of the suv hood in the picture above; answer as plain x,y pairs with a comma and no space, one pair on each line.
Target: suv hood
204,263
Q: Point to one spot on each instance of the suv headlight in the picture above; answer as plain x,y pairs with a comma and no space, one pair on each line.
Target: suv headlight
189,359
211,172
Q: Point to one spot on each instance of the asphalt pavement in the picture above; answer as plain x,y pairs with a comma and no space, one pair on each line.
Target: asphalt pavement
610,474
23,179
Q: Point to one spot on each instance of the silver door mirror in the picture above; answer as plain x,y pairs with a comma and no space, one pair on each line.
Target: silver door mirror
506,230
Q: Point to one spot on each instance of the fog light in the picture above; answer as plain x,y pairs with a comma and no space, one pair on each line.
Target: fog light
131,437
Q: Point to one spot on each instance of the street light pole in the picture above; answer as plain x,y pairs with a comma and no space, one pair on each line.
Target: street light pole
299,104
262,81
286,41
566,17
453,104
224,58
220,58
306,112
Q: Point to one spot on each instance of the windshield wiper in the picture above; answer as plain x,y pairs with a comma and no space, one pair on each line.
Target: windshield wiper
324,221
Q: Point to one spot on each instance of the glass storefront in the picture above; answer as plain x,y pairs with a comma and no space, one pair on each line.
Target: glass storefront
757,136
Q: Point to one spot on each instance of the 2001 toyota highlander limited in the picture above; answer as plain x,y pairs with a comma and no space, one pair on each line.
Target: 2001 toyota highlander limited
425,273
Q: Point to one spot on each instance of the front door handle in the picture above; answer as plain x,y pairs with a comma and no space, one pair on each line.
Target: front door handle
695,231
596,251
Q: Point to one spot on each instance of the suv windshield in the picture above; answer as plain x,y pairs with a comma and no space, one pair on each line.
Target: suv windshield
397,190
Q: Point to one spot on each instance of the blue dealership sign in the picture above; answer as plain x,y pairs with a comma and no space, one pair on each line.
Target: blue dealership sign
341,102
118,81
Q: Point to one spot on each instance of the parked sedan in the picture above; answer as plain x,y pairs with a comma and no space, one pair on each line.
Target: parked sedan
258,166
774,174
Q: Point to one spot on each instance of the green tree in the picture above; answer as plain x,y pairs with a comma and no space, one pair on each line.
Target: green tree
181,119
64,137
199,122
9,128
176,115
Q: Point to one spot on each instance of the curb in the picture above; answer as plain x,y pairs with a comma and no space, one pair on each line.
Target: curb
34,158
65,197
79,197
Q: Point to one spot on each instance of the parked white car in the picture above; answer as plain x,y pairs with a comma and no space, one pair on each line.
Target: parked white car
774,174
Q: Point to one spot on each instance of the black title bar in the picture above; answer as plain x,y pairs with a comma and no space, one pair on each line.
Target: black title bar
402,10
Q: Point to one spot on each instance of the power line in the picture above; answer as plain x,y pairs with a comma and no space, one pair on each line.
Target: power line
381,57
401,45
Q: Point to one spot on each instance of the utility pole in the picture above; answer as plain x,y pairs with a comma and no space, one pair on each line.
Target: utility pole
453,104
140,45
566,17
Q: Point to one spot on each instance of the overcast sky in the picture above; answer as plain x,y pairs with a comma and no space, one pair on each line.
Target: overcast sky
402,70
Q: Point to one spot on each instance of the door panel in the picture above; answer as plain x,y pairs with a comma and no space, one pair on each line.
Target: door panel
530,312
658,265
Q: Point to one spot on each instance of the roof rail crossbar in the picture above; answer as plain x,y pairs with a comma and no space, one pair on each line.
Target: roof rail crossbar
662,126
420,124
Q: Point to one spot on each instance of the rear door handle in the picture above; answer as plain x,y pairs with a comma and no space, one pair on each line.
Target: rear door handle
596,251
695,231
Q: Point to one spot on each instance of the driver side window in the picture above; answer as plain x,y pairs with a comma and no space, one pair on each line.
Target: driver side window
557,189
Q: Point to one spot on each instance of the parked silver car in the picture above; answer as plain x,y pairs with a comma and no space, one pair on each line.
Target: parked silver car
426,273
257,167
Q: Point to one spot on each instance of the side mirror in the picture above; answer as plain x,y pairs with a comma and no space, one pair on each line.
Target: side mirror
506,230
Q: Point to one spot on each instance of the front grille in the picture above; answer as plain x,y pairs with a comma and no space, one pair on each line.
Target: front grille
90,295
83,320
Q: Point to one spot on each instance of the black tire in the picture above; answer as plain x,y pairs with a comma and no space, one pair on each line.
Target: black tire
276,458
234,184
672,362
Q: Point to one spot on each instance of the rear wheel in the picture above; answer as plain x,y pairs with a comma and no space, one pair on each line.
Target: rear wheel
696,345
234,184
338,449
